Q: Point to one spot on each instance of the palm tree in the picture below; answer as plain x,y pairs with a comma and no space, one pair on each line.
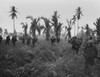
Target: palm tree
59,28
69,22
57,25
73,22
87,30
25,27
97,24
47,27
78,16
13,15
33,26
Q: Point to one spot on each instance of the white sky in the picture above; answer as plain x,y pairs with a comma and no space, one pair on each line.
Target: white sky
36,8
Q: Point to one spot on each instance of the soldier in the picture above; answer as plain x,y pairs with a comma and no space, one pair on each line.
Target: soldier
23,40
34,40
53,40
58,40
28,41
0,38
90,54
76,43
14,39
7,40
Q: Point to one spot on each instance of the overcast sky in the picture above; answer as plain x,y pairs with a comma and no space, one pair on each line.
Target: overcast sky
36,8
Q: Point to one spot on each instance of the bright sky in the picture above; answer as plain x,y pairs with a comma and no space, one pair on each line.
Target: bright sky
36,8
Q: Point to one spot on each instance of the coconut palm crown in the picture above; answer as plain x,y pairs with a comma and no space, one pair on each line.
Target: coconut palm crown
13,14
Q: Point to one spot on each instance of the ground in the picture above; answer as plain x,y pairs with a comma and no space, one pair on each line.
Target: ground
44,60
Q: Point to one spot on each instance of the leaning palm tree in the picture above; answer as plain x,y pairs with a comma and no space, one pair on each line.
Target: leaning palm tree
25,27
33,26
13,15
78,16
73,22
47,27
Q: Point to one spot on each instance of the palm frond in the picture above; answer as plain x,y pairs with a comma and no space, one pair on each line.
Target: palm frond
13,12
30,17
95,24
78,13
38,19
13,15
69,22
23,25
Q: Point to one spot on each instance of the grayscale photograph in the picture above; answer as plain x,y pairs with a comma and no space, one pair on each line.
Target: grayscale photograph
49,38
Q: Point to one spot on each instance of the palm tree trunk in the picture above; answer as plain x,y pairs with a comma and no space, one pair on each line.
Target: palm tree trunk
14,25
34,34
74,29
77,25
39,32
25,32
47,35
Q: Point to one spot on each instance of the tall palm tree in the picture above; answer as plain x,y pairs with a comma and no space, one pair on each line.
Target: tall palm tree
47,27
13,14
59,28
57,25
73,22
25,27
68,28
33,26
78,16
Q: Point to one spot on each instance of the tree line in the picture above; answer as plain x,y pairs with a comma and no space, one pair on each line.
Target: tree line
55,23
